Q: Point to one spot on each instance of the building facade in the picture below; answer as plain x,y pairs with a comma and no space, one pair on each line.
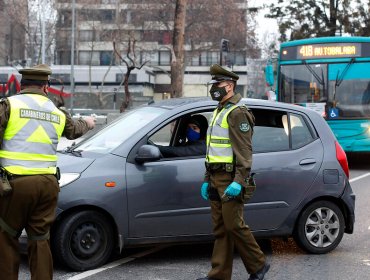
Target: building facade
100,22
104,28
12,33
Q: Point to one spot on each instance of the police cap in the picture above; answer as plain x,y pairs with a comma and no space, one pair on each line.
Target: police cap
39,72
220,74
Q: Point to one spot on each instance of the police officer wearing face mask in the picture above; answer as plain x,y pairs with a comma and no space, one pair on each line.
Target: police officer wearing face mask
30,129
226,185
196,144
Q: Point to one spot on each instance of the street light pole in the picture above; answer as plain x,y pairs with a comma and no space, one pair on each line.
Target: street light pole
73,56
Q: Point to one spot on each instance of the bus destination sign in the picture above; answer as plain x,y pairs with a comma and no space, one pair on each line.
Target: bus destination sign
328,50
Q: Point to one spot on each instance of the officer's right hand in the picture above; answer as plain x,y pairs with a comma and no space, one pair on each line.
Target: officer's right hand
90,121
204,190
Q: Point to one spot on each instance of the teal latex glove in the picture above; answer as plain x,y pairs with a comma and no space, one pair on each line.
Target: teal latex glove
204,190
233,189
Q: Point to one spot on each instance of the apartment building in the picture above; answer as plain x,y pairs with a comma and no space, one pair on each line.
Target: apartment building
100,22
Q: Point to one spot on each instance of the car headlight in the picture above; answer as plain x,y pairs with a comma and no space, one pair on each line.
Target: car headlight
66,178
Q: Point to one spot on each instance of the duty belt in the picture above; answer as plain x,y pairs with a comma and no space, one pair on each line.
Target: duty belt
213,167
14,176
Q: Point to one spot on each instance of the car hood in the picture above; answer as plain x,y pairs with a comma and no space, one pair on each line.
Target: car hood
71,163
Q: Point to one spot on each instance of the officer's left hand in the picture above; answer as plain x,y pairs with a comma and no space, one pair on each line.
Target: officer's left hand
90,120
233,189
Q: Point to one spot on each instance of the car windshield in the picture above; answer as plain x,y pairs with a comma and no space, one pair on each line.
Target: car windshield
119,131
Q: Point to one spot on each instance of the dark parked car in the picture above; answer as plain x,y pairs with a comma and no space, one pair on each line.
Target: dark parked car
117,191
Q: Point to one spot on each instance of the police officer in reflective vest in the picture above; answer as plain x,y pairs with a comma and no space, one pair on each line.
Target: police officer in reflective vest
30,128
227,182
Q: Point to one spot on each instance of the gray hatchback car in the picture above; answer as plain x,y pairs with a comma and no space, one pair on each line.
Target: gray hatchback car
117,191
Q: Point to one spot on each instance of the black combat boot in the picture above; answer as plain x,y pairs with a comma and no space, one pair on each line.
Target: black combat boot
259,275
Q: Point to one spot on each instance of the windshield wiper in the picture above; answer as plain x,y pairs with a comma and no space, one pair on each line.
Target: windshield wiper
317,77
70,150
339,80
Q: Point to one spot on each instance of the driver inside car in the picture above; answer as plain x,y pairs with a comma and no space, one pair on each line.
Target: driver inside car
195,145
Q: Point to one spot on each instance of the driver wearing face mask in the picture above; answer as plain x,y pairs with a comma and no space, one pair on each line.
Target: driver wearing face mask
195,134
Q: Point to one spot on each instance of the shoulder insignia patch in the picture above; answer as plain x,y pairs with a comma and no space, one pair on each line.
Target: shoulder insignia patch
244,127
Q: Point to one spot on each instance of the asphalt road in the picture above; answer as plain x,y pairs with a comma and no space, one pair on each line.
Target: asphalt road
350,260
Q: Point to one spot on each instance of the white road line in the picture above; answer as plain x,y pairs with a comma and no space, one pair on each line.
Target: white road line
359,177
117,263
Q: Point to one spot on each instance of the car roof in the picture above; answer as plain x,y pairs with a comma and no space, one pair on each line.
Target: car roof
190,102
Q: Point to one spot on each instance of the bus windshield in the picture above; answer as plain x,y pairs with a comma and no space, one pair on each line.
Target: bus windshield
343,86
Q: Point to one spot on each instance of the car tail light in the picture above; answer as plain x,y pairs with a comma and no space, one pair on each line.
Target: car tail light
342,158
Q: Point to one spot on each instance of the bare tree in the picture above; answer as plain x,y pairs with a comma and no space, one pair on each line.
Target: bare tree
270,45
24,21
13,18
131,62
201,28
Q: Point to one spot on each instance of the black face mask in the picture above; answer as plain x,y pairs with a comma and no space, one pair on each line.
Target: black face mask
217,93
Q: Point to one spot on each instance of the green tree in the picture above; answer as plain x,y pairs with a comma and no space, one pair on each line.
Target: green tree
360,19
298,19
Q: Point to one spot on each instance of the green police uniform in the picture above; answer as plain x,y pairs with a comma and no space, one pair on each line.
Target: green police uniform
222,169
31,204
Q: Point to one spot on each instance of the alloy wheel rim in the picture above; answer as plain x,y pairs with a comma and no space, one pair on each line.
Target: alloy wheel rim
322,227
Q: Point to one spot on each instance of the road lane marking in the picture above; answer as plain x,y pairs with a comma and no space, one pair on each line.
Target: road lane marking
117,263
359,177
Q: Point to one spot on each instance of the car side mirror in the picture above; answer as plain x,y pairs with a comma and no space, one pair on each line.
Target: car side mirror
148,153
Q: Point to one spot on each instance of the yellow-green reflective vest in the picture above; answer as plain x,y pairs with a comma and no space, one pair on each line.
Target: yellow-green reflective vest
32,134
219,148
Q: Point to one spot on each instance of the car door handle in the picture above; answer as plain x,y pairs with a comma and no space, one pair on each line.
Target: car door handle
307,161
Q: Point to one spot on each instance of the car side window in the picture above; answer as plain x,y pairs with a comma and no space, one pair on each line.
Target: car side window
183,137
164,135
270,134
301,134
274,130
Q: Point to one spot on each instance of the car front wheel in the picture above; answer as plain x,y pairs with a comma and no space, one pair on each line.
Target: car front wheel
320,227
83,240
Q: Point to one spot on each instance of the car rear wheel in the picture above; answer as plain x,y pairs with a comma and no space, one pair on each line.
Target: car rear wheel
83,240
320,227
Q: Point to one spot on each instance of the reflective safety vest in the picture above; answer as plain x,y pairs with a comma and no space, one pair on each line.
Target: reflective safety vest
32,134
219,148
